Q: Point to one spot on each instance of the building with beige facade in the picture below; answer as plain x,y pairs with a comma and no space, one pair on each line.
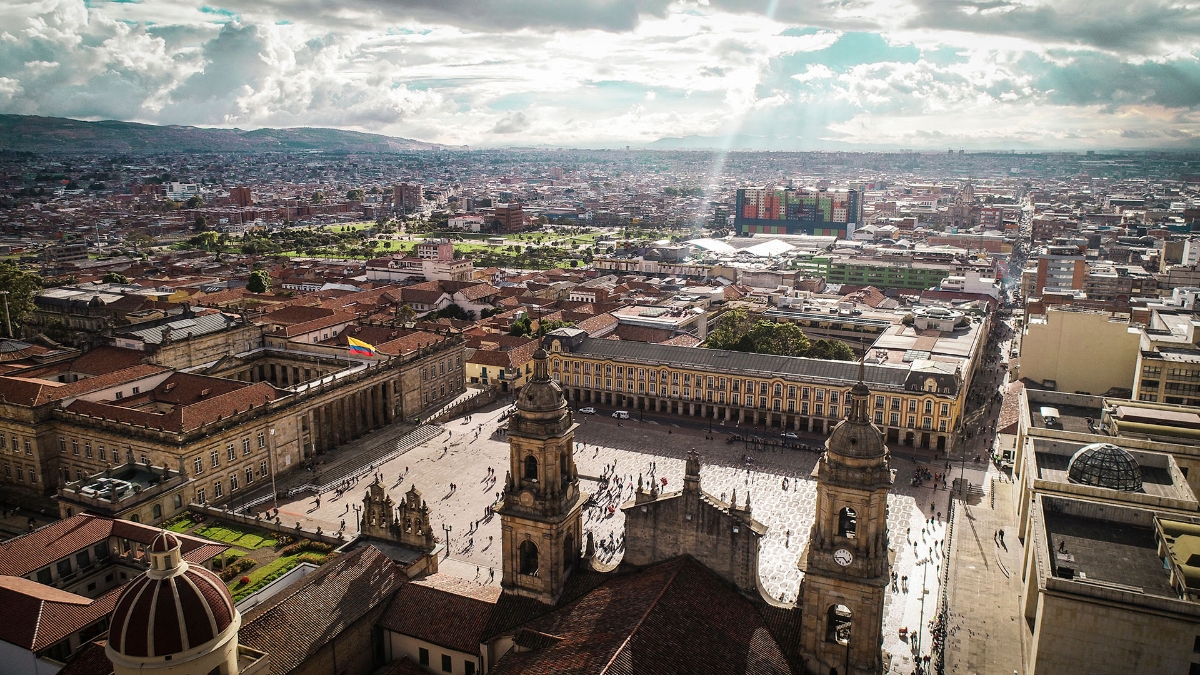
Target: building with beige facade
228,424
1079,351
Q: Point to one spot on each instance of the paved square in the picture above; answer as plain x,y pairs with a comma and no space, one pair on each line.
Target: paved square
653,449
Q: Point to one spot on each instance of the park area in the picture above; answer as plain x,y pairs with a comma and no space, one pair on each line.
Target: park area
257,557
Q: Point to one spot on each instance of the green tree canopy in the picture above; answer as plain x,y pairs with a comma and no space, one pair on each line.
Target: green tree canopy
740,331
194,202
354,194
115,278
21,285
260,281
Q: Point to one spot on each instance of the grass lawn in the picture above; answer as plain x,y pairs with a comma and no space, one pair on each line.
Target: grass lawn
231,534
354,227
182,525
262,575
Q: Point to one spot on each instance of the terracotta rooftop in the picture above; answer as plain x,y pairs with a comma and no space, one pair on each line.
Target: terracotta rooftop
182,402
674,617
30,552
301,619
36,616
443,610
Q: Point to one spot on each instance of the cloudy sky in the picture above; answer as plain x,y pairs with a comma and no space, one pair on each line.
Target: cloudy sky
791,74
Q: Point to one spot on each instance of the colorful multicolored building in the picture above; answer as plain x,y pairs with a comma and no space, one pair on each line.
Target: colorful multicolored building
815,211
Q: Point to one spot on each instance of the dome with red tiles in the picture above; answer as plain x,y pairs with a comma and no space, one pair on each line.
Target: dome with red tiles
164,542
172,609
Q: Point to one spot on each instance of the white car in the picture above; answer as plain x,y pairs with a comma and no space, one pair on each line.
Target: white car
588,410
790,435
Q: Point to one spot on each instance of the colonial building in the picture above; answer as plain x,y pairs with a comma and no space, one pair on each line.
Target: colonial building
226,424
915,404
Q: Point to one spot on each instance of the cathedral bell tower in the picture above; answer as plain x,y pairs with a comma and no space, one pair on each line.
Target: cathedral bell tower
846,565
541,524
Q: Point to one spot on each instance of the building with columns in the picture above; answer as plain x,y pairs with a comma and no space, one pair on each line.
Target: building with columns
917,403
226,424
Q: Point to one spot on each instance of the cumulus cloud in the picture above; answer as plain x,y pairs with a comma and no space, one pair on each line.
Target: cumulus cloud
512,123
613,72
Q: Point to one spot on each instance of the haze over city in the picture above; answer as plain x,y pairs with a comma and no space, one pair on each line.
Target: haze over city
772,75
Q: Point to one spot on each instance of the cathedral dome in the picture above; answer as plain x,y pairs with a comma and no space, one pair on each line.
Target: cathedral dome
856,436
1105,465
173,608
541,394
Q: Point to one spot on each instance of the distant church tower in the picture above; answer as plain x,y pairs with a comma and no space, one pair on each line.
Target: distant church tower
541,515
846,567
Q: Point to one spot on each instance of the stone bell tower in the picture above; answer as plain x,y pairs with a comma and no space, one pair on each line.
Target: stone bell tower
541,524
846,565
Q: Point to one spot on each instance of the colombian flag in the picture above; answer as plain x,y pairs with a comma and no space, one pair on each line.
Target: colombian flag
360,348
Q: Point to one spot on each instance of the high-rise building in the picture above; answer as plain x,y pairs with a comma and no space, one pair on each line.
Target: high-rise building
241,196
510,217
816,211
407,196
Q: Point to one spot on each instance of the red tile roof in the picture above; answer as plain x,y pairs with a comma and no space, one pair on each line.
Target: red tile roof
443,610
675,617
302,618
30,552
36,616
193,401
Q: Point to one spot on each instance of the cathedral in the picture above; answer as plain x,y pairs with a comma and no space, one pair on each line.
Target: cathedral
685,598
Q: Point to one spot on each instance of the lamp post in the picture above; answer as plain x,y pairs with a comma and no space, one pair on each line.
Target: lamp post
447,529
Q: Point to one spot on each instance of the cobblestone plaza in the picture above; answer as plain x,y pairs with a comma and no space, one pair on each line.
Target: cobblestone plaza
656,449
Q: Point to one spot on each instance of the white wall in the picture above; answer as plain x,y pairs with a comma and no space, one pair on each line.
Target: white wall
19,661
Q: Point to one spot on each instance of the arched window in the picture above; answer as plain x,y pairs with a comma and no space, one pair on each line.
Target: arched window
847,523
135,518
531,472
529,558
156,511
837,628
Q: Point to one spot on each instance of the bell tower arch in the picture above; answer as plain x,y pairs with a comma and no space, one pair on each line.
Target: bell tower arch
846,565
540,517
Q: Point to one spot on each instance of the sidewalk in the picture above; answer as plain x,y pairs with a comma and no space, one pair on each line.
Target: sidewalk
985,628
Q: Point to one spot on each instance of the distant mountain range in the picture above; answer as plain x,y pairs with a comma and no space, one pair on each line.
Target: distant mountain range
59,134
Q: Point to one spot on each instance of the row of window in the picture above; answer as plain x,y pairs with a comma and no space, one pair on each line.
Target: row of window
218,486
15,447
231,454
19,472
447,662
626,376
441,368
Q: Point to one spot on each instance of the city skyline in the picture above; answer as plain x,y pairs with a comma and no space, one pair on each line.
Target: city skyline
930,74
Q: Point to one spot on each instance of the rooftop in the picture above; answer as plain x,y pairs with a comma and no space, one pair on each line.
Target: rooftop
1123,555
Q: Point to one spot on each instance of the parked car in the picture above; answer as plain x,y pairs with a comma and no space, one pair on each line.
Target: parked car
589,410
790,435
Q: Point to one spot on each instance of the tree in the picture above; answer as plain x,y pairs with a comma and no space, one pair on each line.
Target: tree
317,197
194,202
260,281
520,327
207,241
545,327
405,314
739,330
139,240
115,278
22,286
354,195
200,224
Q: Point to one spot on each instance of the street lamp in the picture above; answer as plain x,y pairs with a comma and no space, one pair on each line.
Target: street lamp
447,529
357,520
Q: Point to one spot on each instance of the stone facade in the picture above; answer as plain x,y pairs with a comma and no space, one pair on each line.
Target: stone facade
723,537
846,565
541,523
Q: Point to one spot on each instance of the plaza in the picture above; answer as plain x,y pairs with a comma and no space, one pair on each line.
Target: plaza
462,452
